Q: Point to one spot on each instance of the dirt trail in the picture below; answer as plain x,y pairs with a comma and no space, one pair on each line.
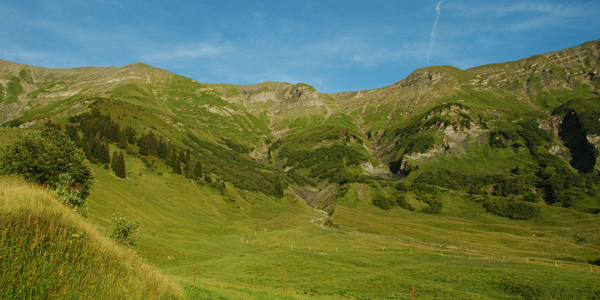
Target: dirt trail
323,216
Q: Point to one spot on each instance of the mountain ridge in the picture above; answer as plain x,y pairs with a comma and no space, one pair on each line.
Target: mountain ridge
436,114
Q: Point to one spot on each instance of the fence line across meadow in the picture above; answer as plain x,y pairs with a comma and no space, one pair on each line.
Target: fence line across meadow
433,250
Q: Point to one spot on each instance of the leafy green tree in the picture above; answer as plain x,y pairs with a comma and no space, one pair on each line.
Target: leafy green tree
49,158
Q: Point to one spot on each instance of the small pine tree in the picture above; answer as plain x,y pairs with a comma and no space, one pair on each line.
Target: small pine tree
131,135
152,144
144,145
122,170
123,140
104,154
222,187
198,170
162,149
118,164
189,168
113,163
175,164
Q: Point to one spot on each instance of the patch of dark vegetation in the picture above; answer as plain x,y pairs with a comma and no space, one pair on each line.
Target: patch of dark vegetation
396,197
327,162
501,185
420,144
560,184
552,178
239,148
512,209
414,137
242,172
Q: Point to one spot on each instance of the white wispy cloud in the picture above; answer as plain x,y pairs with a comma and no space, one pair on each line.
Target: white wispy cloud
531,8
432,36
362,51
189,51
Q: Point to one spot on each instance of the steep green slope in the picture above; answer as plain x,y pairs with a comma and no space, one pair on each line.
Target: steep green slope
48,252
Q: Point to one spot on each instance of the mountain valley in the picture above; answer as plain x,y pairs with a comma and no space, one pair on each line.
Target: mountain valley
471,184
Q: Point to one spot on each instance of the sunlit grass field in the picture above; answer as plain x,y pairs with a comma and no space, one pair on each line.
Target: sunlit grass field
240,244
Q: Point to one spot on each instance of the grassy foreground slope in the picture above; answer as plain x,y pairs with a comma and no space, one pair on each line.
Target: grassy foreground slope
49,252
240,244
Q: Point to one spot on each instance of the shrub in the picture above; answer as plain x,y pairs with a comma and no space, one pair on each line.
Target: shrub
50,158
512,209
382,202
124,231
401,201
435,206
420,144
70,196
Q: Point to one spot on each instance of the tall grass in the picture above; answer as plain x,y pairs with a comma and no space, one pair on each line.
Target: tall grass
47,251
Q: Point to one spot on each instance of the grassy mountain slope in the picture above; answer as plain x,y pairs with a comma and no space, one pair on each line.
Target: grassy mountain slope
472,184
241,242
48,252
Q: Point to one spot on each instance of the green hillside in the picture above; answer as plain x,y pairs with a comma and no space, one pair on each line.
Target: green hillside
50,252
471,184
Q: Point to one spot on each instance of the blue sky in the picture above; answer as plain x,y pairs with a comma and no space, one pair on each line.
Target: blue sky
333,45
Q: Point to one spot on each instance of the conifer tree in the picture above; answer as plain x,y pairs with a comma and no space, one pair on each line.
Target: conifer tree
118,164
144,147
103,154
73,134
123,139
162,149
131,136
197,170
175,164
189,167
113,163
152,144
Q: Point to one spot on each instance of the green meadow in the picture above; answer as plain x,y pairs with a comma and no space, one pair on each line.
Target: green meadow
240,244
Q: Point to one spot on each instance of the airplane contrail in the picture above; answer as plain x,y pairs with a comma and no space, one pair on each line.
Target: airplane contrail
433,30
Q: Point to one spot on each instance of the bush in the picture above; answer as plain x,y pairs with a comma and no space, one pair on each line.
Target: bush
512,209
435,206
401,201
69,196
420,144
383,203
124,231
50,158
